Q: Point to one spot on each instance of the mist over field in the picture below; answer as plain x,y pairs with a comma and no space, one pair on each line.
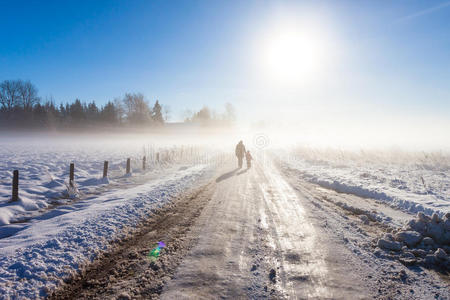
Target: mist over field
281,149
25,114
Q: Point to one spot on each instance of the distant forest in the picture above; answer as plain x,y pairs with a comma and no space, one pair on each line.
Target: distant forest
21,107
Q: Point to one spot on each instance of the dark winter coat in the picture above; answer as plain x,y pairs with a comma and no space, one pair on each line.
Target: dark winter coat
240,150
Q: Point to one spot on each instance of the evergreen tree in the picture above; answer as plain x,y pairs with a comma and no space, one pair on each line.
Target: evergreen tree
109,113
157,113
39,115
92,113
20,106
62,111
52,114
76,112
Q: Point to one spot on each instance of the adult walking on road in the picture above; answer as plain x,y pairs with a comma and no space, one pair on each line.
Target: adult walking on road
240,152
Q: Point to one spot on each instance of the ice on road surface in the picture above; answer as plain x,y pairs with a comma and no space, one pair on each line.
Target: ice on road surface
256,240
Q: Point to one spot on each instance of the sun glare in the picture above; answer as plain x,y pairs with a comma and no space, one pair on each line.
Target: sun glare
294,56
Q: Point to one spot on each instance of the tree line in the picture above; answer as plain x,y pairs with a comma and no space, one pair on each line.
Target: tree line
207,116
21,107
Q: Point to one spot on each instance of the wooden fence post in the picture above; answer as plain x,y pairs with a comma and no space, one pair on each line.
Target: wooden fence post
143,162
15,186
105,169
71,174
128,165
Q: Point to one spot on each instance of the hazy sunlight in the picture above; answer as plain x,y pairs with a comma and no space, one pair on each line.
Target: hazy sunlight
294,55
224,149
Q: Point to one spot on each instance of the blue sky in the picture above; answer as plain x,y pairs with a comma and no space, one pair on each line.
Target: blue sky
388,58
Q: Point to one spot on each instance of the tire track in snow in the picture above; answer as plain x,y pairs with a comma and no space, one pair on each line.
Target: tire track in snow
125,271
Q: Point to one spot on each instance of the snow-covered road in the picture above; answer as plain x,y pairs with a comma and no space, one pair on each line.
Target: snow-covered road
256,240
261,233
266,234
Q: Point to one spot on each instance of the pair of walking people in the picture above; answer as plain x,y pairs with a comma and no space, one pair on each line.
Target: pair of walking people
240,153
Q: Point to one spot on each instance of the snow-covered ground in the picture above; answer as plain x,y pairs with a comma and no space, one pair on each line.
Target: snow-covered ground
53,229
411,181
44,171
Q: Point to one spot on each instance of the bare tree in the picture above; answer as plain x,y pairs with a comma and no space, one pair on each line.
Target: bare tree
230,112
187,115
128,103
120,110
9,94
166,112
137,109
204,115
28,94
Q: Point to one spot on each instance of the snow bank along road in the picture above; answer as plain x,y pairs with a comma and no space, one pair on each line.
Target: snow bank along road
49,248
259,233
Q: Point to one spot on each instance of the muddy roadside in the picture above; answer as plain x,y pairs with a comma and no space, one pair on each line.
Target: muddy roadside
126,271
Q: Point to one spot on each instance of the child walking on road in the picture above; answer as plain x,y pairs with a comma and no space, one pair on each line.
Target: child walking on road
249,158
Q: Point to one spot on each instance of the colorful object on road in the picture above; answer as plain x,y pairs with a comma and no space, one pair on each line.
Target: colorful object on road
154,253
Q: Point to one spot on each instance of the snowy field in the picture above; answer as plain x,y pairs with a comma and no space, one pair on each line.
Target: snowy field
44,170
411,181
54,228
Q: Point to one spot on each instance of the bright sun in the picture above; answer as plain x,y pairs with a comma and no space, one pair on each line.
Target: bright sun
294,56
